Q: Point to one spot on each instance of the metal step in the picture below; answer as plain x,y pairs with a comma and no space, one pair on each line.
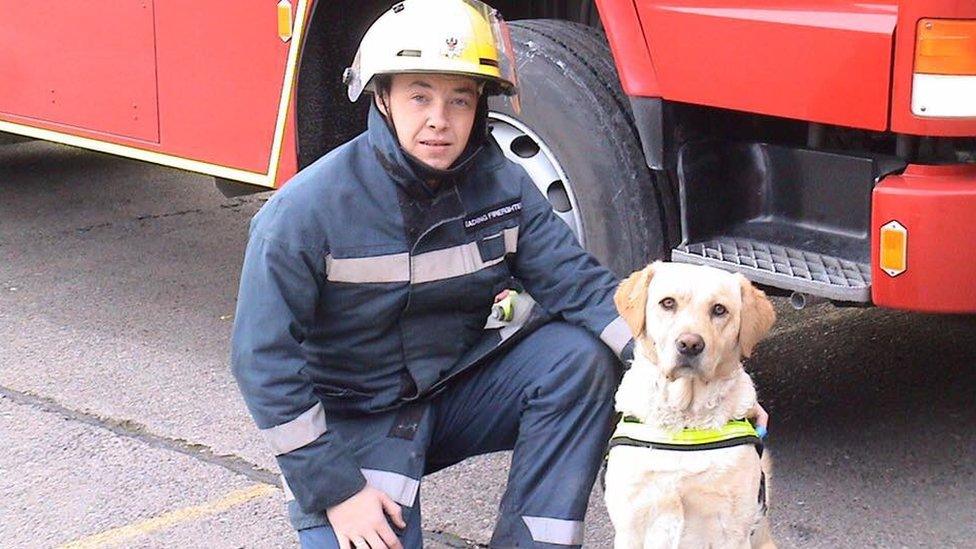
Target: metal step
781,267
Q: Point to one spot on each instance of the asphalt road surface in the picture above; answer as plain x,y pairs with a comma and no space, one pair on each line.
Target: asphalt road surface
120,424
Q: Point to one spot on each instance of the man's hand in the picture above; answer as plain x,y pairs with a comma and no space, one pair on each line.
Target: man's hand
360,521
760,418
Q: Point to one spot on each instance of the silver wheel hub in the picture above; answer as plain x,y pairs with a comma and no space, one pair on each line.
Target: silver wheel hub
522,146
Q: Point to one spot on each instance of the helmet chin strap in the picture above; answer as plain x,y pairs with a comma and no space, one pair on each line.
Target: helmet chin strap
388,116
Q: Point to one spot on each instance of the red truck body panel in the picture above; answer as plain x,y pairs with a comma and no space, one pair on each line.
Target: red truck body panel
197,85
936,205
629,47
219,83
827,61
99,76
837,62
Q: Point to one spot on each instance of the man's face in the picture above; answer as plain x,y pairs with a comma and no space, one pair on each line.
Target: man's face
433,115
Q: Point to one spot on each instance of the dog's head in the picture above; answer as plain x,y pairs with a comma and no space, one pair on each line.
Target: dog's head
694,321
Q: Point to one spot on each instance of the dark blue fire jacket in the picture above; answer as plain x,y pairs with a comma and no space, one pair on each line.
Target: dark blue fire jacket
362,289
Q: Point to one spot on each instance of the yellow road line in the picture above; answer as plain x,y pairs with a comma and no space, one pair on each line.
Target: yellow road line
171,518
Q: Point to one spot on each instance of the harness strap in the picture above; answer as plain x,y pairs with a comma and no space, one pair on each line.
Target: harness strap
727,443
631,431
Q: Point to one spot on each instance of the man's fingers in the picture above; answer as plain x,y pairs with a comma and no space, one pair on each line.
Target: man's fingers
360,542
375,542
393,509
343,541
389,538
761,419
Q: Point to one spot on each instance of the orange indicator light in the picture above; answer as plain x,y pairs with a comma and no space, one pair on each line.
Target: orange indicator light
894,248
946,46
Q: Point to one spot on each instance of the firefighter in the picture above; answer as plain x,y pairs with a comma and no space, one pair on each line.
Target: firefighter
362,342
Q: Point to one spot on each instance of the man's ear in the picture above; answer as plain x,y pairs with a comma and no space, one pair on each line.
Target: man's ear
380,103
631,299
756,318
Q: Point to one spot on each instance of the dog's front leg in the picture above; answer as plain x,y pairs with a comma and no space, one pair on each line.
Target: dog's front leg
762,537
628,539
666,524
629,522
627,503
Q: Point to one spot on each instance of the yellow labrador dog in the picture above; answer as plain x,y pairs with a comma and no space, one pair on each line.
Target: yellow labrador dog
681,472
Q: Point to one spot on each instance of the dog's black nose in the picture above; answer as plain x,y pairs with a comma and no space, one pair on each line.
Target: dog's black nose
690,344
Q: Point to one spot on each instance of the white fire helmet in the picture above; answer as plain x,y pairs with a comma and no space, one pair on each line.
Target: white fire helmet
464,37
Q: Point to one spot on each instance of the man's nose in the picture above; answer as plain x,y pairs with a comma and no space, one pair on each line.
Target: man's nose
437,117
690,344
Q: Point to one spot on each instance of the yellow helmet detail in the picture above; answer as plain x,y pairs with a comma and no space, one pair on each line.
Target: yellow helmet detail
465,37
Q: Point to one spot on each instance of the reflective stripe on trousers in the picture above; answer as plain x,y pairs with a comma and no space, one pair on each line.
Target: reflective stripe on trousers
555,531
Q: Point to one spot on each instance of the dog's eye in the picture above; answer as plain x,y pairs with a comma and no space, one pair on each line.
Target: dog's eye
668,304
718,309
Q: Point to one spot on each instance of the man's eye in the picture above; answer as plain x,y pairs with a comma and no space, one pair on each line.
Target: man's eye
719,310
668,304
419,98
461,102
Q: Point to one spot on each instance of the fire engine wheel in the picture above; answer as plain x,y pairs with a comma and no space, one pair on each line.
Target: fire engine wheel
576,139
12,139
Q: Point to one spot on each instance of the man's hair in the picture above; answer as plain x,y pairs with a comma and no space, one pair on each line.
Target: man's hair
382,83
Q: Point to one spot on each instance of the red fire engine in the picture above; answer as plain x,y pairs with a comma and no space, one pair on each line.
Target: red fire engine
823,148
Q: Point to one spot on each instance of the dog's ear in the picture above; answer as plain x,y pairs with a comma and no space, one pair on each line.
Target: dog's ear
631,299
757,316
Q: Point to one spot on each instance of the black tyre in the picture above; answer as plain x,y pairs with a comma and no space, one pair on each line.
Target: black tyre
13,139
230,188
575,136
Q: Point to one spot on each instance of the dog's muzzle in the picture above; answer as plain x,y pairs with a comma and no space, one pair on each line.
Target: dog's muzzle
689,348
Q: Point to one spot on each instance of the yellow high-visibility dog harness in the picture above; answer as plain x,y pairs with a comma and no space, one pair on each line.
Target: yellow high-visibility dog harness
633,432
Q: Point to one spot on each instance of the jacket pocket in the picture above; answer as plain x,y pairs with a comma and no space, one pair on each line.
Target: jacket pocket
340,393
491,247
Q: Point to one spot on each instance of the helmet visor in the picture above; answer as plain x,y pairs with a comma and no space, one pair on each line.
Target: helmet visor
504,54
506,57
352,78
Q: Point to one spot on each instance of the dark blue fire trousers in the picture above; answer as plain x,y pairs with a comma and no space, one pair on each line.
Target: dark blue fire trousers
549,398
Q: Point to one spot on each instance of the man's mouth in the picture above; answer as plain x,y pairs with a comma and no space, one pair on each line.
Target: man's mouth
434,143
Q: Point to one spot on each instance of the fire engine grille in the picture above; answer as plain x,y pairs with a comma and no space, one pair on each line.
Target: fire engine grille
782,267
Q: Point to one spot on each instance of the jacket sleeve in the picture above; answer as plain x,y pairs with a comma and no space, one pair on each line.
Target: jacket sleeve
279,289
563,277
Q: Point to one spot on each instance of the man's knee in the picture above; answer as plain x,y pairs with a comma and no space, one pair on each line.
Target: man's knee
584,366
